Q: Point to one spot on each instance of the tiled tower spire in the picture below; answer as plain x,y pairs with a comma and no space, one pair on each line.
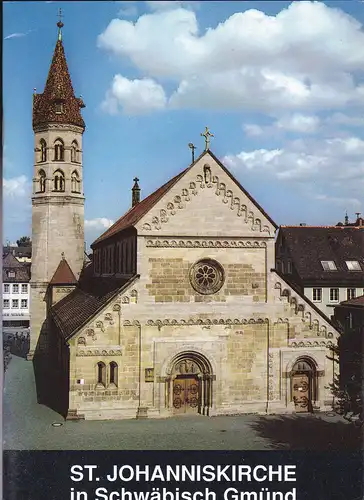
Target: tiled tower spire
58,103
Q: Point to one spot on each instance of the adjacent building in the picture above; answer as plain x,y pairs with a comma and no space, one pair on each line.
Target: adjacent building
349,316
16,277
325,263
22,253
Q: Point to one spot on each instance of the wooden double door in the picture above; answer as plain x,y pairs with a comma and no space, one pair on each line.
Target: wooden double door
186,394
301,392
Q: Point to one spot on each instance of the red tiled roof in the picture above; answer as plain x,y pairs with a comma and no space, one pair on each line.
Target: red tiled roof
63,275
138,211
89,297
357,302
58,88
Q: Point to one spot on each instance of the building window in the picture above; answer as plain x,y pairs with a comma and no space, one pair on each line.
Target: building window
43,150
42,181
334,295
15,288
24,303
74,152
317,294
75,182
59,108
58,150
101,373
11,274
24,288
58,180
289,267
350,293
6,303
113,373
15,304
328,265
353,265
6,288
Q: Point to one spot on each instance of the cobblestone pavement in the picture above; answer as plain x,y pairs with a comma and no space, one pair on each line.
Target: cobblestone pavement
28,425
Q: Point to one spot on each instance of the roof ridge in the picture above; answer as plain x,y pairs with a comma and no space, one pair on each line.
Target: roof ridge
140,209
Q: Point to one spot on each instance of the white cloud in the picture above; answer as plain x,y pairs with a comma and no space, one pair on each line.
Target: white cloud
129,9
303,59
298,123
16,187
172,4
18,35
332,169
253,130
134,96
99,223
343,119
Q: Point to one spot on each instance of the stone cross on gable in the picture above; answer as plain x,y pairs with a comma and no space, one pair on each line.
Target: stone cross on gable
207,134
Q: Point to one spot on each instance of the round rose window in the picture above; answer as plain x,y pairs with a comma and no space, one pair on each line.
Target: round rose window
207,276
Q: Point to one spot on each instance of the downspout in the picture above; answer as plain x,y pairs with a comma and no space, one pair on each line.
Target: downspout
268,373
140,366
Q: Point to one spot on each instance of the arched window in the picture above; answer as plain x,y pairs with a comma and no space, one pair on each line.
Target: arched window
113,373
75,182
58,180
43,150
74,152
42,181
101,373
58,150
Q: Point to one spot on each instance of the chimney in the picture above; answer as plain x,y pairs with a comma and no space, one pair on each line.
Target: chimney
135,192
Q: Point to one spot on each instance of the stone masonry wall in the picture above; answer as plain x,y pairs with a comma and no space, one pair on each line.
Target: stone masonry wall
169,274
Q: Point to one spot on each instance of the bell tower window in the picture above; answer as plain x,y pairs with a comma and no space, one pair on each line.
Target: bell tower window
59,108
75,182
42,181
43,151
58,150
74,152
58,181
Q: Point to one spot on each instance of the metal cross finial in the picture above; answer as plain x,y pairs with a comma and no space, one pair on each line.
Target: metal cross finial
207,134
60,24
192,147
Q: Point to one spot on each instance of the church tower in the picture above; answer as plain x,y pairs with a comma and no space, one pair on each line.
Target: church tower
57,200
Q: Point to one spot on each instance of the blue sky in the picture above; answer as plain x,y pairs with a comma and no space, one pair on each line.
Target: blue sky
280,85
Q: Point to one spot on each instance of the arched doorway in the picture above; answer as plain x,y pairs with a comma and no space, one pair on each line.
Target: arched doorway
303,384
189,387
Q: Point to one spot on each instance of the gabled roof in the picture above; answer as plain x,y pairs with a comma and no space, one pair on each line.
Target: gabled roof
11,264
58,88
90,296
309,245
357,302
133,215
63,275
138,211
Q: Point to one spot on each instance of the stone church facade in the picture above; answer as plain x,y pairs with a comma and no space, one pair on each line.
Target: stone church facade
180,310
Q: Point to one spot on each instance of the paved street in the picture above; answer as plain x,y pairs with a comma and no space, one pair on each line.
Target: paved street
28,425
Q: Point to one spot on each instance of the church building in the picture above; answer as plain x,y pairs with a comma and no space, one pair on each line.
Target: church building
180,309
